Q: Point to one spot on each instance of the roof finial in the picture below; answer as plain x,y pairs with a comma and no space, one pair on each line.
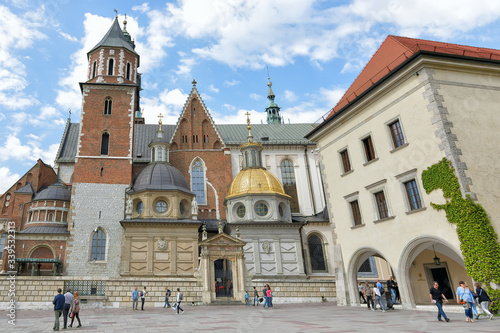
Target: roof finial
250,137
116,11
194,83
125,23
69,114
160,116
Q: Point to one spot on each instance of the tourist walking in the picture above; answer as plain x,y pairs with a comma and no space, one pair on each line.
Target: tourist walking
391,287
367,292
437,298
143,298
378,297
269,297
483,299
135,298
167,295
464,297
68,303
58,308
179,299
361,294
76,309
255,297
264,295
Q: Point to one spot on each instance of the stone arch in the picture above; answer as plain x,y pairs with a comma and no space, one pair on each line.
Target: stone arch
411,251
43,251
359,256
217,145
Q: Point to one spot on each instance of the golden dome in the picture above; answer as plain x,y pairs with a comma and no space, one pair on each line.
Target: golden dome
255,181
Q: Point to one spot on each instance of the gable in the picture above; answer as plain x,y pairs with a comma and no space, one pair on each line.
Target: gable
195,128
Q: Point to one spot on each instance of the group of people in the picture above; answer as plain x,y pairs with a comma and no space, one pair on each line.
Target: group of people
267,297
467,297
67,304
176,306
377,294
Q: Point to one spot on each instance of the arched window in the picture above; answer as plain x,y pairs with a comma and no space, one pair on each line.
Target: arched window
2,244
108,104
94,67
254,158
98,245
198,181
247,160
317,256
105,144
128,71
111,63
288,180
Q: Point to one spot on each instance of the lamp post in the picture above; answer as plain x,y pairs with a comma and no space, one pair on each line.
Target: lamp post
436,259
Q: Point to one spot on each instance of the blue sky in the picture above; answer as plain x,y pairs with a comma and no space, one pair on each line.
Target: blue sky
314,50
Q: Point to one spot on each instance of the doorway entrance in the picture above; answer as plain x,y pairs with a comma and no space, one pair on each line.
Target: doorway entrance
223,278
442,277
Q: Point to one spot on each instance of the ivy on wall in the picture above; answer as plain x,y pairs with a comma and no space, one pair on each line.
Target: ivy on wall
478,240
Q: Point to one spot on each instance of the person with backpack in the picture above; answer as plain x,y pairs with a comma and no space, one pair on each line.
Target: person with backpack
378,293
167,295
179,299
483,299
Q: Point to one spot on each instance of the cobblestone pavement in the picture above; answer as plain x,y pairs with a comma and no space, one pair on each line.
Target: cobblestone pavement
312,317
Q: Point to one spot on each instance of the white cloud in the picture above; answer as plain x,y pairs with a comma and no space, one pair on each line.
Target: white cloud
169,103
18,33
8,179
13,148
231,83
306,112
255,96
290,96
67,36
185,66
331,96
229,107
213,89
144,8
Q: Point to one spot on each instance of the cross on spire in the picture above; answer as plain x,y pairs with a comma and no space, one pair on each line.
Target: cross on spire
116,11
194,83
160,116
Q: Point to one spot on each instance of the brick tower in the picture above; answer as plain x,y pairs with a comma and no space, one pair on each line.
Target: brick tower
103,163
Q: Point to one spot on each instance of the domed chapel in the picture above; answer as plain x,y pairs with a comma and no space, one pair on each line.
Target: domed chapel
212,209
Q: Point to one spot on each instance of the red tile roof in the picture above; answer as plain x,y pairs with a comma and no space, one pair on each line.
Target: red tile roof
394,51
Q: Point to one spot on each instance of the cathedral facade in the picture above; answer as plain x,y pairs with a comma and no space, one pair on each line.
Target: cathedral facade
213,209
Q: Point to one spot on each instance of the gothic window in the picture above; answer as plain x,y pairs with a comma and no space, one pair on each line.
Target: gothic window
104,144
94,68
198,181
110,66
108,104
288,180
316,254
128,71
368,268
98,245
2,244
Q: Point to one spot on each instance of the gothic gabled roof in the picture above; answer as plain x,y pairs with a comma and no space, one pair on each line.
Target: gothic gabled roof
114,38
195,94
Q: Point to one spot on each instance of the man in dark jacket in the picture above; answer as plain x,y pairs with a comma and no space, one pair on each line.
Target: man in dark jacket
58,308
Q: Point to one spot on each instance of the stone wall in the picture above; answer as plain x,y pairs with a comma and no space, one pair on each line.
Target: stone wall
39,292
95,206
296,291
